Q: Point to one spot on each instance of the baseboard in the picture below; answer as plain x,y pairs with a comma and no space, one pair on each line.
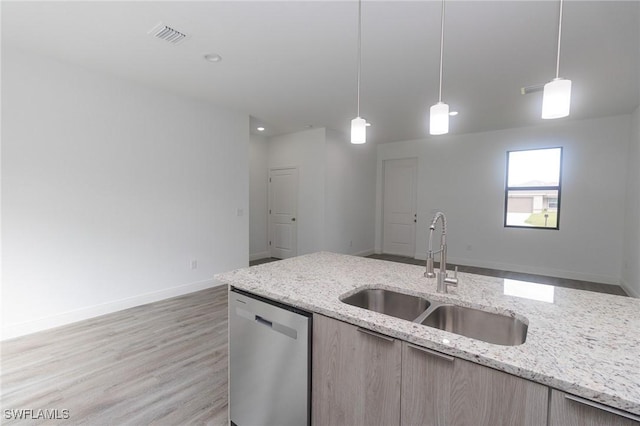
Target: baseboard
526,269
364,253
16,330
631,291
260,255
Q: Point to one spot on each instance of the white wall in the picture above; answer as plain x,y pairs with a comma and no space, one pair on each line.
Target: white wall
258,197
110,189
464,176
336,190
349,195
304,150
631,260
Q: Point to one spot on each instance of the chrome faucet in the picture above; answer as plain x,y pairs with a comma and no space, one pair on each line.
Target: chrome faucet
442,279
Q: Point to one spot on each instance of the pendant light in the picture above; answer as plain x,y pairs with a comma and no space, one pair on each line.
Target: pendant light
358,124
439,113
556,98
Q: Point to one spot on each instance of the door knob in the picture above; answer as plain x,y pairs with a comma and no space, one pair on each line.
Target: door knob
293,219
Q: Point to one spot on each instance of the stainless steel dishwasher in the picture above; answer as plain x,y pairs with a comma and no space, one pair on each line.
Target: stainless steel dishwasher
269,362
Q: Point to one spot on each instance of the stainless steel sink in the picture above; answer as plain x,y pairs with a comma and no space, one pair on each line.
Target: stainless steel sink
477,324
469,322
399,305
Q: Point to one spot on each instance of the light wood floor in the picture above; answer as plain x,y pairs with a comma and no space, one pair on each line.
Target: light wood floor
542,279
163,363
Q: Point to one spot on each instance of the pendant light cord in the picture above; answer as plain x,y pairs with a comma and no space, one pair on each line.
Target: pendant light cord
441,52
359,50
559,39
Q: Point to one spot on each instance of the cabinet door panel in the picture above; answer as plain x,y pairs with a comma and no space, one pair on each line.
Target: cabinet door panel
355,376
426,387
442,390
566,412
484,396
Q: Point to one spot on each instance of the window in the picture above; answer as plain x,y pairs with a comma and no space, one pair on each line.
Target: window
532,191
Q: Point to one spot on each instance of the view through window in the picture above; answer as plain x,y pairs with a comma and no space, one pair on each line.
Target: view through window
532,193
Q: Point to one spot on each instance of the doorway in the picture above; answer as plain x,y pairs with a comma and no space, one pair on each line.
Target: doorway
399,214
283,209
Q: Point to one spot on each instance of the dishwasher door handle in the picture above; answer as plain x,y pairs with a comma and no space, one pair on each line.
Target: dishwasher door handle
277,327
263,321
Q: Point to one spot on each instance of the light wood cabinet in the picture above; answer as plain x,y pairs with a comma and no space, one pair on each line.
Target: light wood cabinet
355,375
426,386
569,410
438,389
363,378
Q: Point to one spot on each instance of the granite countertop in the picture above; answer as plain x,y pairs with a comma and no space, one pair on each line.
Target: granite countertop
580,342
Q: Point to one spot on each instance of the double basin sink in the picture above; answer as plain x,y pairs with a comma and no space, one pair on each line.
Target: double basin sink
474,323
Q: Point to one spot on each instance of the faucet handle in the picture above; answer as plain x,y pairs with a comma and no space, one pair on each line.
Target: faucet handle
452,280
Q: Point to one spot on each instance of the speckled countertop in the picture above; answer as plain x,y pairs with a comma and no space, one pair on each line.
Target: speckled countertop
583,343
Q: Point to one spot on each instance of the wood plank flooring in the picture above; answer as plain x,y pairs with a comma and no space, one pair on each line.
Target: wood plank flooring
163,363
542,279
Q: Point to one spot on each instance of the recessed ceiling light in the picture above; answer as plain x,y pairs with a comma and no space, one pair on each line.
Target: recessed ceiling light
452,113
260,129
212,57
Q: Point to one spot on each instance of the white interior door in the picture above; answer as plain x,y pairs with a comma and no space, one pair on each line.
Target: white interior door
399,206
283,205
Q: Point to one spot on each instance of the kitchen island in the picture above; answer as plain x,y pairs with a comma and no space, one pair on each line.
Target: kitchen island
582,343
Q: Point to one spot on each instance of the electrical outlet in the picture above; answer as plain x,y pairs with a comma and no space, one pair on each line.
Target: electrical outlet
351,243
193,264
469,247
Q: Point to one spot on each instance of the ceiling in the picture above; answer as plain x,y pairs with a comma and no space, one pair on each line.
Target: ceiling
292,64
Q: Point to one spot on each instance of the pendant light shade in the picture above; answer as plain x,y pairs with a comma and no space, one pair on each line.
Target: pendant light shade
439,119
358,130
439,113
556,98
358,124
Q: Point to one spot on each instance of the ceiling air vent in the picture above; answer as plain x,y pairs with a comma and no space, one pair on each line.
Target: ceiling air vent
168,34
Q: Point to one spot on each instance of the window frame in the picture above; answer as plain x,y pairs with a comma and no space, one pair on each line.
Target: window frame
558,188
